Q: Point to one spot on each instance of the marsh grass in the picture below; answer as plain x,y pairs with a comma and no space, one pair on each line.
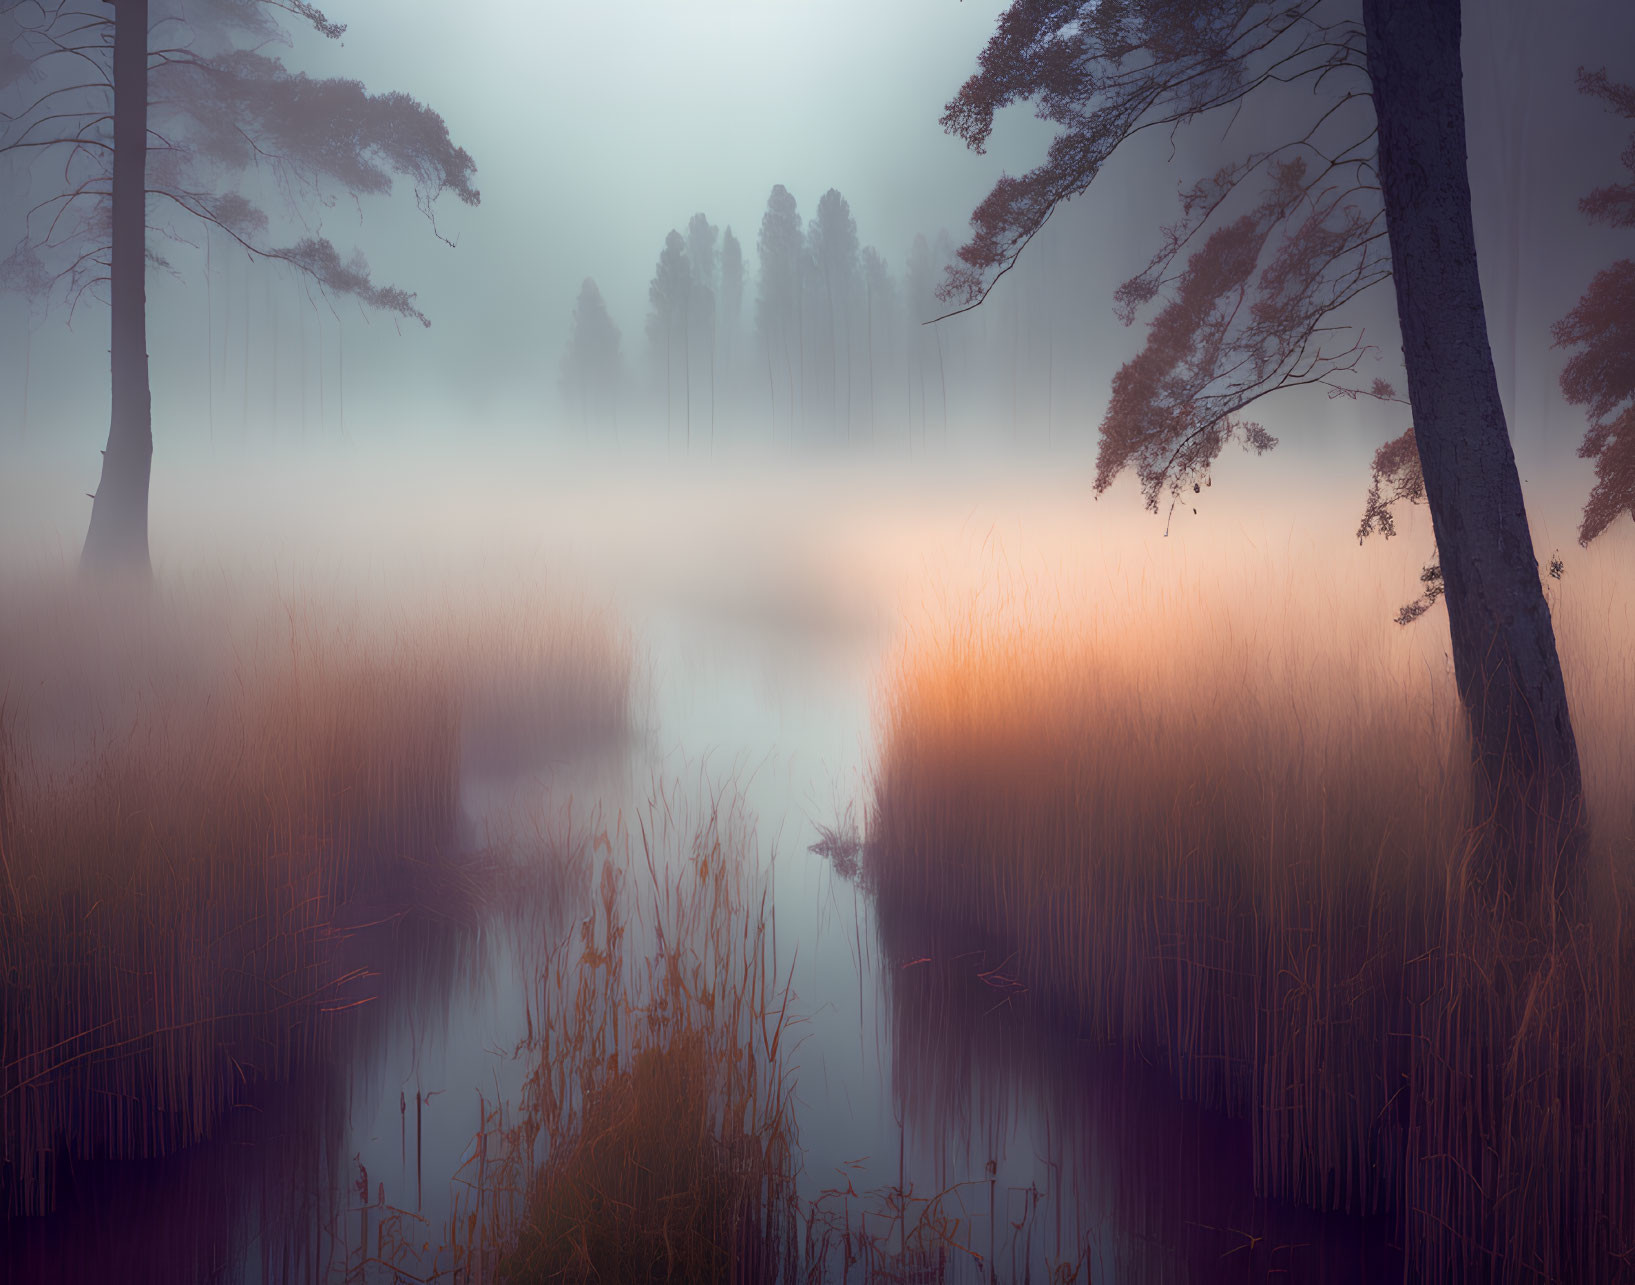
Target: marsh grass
653,1138
245,1199
1118,1179
1236,845
203,803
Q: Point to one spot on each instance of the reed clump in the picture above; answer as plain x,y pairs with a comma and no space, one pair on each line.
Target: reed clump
654,1139
1238,847
196,798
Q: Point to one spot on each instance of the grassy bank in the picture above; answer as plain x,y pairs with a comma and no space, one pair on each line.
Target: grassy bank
1233,841
200,798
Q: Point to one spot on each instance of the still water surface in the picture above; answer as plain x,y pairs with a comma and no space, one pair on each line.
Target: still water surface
920,1069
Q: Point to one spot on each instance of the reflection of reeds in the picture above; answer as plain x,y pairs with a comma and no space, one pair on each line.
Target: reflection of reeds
186,810
1126,1182
253,1193
653,1139
1241,858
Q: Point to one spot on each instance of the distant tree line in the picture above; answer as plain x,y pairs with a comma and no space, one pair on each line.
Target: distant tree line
831,343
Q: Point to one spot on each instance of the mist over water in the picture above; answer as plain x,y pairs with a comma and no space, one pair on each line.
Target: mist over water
639,557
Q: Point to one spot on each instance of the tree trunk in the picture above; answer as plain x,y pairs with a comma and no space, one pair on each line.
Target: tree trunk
868,290
942,380
117,541
800,343
920,362
1528,788
28,365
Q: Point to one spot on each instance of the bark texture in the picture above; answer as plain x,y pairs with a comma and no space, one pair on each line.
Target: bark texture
1528,784
117,541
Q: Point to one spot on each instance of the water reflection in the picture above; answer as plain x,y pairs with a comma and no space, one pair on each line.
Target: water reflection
266,1196
951,1129
1071,1158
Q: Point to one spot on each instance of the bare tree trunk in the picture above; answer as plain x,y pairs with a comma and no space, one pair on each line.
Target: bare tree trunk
834,350
272,316
318,318
789,380
942,380
1528,785
868,289
28,365
117,541
771,390
226,320
244,409
209,342
1016,346
1050,380
924,430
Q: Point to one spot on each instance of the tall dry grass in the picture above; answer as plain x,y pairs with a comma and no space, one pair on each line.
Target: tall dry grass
199,792
653,1138
1228,831
1126,1183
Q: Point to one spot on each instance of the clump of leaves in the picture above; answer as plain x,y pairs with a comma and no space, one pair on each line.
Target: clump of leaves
1395,476
842,846
1602,326
1431,578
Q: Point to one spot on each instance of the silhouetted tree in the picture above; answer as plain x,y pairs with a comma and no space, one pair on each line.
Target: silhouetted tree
920,286
701,250
194,104
833,238
925,337
1372,185
811,331
731,301
1601,376
591,362
880,320
778,303
670,294
701,258
942,255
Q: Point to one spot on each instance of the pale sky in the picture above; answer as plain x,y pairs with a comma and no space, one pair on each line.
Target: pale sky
598,127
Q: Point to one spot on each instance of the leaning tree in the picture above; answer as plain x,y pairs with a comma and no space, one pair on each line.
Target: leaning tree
154,114
1367,183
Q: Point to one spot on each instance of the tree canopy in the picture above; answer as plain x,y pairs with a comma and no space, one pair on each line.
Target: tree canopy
1369,183
230,129
1249,309
1601,375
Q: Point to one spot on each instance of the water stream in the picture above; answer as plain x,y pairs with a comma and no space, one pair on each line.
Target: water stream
928,1092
